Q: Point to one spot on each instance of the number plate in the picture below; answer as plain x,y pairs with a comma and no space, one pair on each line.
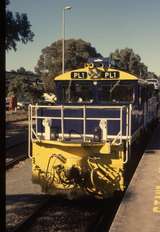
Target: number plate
110,74
78,75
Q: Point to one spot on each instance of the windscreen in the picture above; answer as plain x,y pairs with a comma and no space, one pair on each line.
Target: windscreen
77,92
96,92
119,93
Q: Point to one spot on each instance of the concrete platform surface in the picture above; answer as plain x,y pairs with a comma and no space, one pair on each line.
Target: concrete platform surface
18,179
140,207
21,195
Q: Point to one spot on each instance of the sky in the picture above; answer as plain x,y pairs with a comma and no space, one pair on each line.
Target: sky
106,24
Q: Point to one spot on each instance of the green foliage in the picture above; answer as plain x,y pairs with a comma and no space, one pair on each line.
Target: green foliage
21,70
49,64
23,86
151,75
17,29
130,62
16,87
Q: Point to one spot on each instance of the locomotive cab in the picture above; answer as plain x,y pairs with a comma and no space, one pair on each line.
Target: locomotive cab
95,92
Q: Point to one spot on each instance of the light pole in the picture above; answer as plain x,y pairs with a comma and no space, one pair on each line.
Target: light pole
63,33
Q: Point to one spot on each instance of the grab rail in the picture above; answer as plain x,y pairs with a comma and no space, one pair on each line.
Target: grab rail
116,139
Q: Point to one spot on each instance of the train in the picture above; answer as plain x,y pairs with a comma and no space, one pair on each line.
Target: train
81,144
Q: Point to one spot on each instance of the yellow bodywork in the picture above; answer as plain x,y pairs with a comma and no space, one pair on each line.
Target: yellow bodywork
93,168
122,75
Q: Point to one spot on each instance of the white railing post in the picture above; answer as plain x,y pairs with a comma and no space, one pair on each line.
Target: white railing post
29,131
128,133
126,158
130,122
31,123
121,122
62,121
116,139
84,123
36,108
127,122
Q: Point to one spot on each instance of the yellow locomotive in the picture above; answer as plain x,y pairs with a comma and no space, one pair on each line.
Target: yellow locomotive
81,144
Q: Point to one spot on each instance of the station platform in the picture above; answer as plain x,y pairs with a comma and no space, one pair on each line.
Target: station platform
140,207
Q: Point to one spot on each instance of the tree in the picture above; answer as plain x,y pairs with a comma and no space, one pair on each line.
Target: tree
21,70
23,87
77,52
16,87
130,61
151,75
18,28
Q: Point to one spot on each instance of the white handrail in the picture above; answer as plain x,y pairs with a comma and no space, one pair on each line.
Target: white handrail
78,107
36,135
29,132
126,158
62,121
75,118
83,118
84,123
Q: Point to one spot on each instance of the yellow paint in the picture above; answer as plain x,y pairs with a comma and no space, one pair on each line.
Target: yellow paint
105,171
156,208
106,149
123,75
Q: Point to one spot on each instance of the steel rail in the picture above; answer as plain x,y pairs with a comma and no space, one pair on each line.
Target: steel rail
28,222
15,161
106,215
15,145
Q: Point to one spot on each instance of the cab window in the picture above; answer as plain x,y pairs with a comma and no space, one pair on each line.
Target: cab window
119,93
77,93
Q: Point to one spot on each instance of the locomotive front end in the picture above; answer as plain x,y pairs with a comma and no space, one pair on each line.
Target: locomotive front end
81,145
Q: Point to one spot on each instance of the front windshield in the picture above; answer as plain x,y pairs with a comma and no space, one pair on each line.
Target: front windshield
89,92
119,93
77,92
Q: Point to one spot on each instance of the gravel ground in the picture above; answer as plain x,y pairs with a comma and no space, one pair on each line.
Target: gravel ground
20,207
68,216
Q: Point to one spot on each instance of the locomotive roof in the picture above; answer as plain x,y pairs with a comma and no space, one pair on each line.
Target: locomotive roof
96,74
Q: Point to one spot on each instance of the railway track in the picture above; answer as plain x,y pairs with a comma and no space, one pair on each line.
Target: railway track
55,214
15,145
106,215
12,154
11,163
28,222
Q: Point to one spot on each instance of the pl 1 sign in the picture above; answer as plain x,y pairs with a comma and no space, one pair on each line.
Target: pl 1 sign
110,74
94,75
78,75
